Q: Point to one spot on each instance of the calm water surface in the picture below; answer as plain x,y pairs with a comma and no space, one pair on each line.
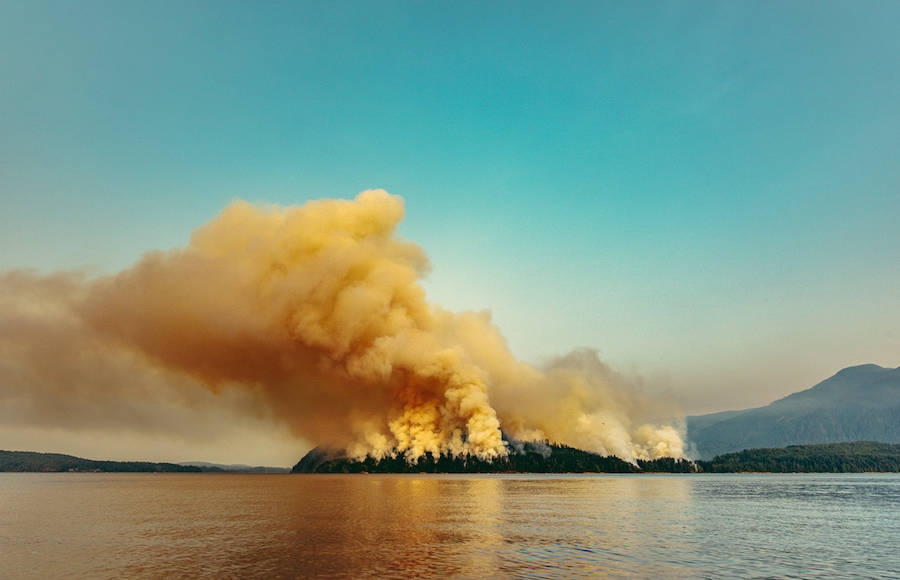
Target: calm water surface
241,526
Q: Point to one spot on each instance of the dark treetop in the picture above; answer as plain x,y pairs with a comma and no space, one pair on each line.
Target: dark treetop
547,458
524,457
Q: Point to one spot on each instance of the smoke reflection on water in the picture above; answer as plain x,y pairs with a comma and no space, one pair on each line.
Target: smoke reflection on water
384,526
133,525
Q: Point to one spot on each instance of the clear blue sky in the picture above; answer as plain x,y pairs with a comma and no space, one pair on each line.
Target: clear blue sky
706,192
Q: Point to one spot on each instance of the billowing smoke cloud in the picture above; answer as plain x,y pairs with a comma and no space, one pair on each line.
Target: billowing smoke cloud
59,377
315,315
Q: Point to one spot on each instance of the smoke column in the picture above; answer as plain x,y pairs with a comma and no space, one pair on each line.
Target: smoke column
316,313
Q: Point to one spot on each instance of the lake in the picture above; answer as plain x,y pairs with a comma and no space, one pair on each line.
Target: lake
402,526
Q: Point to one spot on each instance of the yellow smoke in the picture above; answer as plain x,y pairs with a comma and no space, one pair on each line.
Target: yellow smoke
318,314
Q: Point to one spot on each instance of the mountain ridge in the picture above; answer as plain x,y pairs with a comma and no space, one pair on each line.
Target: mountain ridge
858,403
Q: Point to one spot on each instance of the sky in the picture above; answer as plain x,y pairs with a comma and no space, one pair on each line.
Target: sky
706,193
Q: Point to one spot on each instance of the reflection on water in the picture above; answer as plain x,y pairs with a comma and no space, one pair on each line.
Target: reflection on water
145,525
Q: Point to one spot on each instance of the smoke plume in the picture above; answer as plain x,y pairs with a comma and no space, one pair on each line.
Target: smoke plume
313,315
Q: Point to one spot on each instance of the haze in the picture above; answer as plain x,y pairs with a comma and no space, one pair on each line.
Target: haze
706,194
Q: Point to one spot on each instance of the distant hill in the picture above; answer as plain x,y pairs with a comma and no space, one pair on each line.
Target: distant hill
860,456
235,467
859,403
54,462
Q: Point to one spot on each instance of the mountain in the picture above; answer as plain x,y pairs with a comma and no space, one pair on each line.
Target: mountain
860,403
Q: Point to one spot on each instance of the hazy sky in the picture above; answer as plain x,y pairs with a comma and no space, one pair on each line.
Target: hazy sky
707,193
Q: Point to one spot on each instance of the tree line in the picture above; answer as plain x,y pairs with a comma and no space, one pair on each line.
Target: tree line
552,458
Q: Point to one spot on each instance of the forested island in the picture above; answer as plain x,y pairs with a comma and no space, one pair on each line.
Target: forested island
856,457
523,458
551,458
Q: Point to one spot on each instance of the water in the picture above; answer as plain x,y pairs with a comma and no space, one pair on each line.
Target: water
243,526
